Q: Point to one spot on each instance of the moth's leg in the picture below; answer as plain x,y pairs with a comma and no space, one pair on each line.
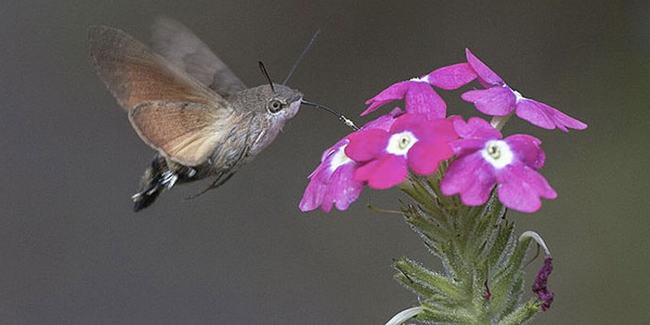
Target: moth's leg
221,178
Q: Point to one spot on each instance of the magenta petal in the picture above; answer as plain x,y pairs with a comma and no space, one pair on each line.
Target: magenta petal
485,74
476,128
343,189
562,119
384,122
407,121
313,196
321,181
465,146
496,101
365,171
527,149
396,112
452,76
394,92
326,189
520,188
533,113
366,144
422,99
443,129
547,117
424,157
425,129
327,153
470,176
384,172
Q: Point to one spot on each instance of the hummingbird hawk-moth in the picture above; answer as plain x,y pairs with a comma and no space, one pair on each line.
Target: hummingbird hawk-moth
185,103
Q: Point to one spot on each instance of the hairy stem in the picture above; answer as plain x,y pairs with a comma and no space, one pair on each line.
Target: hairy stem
482,281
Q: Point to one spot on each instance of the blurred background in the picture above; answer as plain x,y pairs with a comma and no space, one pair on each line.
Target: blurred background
72,252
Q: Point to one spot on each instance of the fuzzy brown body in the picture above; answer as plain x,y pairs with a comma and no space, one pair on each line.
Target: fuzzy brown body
187,105
249,134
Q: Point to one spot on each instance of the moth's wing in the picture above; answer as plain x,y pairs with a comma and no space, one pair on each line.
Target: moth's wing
170,111
134,74
180,46
184,132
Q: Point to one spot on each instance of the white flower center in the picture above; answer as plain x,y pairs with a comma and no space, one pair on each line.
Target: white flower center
399,144
339,158
424,78
497,153
518,95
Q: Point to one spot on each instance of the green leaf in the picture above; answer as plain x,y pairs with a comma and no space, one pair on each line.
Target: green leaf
432,228
514,262
434,313
418,274
500,243
521,314
422,290
516,291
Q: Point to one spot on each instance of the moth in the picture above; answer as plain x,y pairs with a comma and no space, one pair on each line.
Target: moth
185,103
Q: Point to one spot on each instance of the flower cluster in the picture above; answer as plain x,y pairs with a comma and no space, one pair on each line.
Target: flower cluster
418,138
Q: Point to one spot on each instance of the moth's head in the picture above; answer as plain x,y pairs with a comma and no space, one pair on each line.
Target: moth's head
281,102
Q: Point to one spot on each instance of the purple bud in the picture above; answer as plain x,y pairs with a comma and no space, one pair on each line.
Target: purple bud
540,288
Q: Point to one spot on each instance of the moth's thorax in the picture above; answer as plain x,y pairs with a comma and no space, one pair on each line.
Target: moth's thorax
254,124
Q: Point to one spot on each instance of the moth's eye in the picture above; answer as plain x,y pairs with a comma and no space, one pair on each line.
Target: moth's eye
275,106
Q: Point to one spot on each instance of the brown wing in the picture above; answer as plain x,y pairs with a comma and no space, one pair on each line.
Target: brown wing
134,74
170,111
181,47
184,132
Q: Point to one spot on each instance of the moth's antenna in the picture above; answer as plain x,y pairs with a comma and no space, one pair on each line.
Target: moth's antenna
266,74
340,116
302,55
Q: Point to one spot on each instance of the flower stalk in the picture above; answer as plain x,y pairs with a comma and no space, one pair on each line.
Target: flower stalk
483,280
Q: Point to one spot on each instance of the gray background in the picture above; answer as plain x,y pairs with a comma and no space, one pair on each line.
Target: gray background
72,252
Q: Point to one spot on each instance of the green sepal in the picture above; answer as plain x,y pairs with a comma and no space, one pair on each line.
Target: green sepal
522,314
416,273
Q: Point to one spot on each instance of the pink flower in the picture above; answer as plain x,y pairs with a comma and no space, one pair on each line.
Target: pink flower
412,141
419,97
498,99
484,160
333,183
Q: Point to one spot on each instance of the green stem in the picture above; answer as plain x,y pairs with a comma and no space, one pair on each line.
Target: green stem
483,278
498,122
522,314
